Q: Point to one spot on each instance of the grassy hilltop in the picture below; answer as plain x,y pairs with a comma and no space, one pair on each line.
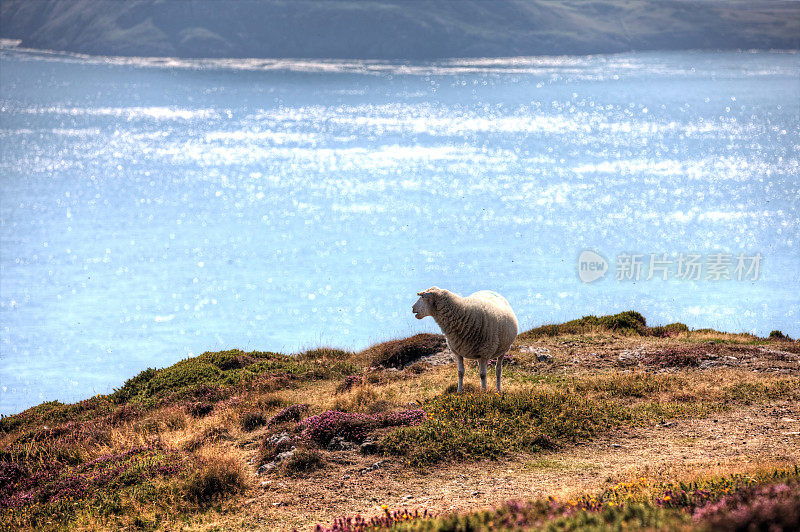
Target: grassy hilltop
397,29
604,422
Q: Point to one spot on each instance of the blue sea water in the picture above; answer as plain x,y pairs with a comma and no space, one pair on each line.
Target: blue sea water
154,209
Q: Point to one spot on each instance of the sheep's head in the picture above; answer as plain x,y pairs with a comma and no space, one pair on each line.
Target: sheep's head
426,304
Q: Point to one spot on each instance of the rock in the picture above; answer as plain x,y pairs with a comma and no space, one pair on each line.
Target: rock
369,447
616,445
283,440
544,357
283,456
340,444
373,467
277,437
266,483
266,467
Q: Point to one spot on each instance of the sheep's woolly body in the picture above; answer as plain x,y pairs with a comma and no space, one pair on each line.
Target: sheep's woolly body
480,326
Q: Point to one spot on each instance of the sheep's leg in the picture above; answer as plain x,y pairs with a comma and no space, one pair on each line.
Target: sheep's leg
460,362
498,370
482,363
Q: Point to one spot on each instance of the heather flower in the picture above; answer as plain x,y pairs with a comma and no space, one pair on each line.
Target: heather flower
322,428
775,508
359,523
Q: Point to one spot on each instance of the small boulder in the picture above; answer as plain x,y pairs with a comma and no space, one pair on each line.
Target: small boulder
283,456
369,447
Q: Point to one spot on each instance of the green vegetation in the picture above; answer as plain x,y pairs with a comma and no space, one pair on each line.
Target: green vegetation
627,323
477,426
778,335
210,373
303,461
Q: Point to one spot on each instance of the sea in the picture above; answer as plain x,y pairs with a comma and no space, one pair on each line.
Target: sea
153,209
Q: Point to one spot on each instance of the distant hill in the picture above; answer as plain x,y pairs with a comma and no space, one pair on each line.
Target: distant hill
396,29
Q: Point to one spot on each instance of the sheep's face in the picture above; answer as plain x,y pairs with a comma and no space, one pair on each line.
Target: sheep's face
425,304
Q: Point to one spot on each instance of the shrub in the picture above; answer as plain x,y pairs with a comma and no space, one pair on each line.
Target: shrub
778,335
251,420
302,461
775,507
471,427
324,354
124,414
380,522
181,375
624,321
398,353
628,322
349,382
358,401
225,360
54,483
10,474
133,387
209,435
290,413
198,409
322,428
550,329
666,331
214,479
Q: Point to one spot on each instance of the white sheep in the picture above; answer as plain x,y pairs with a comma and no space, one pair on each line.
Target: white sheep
481,326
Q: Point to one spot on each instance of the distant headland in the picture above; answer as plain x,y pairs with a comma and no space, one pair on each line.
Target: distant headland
396,29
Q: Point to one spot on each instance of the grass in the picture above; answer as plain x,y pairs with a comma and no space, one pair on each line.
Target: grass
487,425
215,476
179,446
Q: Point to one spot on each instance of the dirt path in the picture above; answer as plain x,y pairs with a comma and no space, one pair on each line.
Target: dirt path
718,444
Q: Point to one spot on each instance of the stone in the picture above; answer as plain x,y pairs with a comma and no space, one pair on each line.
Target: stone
369,447
283,440
544,357
283,456
265,467
275,437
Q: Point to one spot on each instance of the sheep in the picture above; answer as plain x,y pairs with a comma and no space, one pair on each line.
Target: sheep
481,326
